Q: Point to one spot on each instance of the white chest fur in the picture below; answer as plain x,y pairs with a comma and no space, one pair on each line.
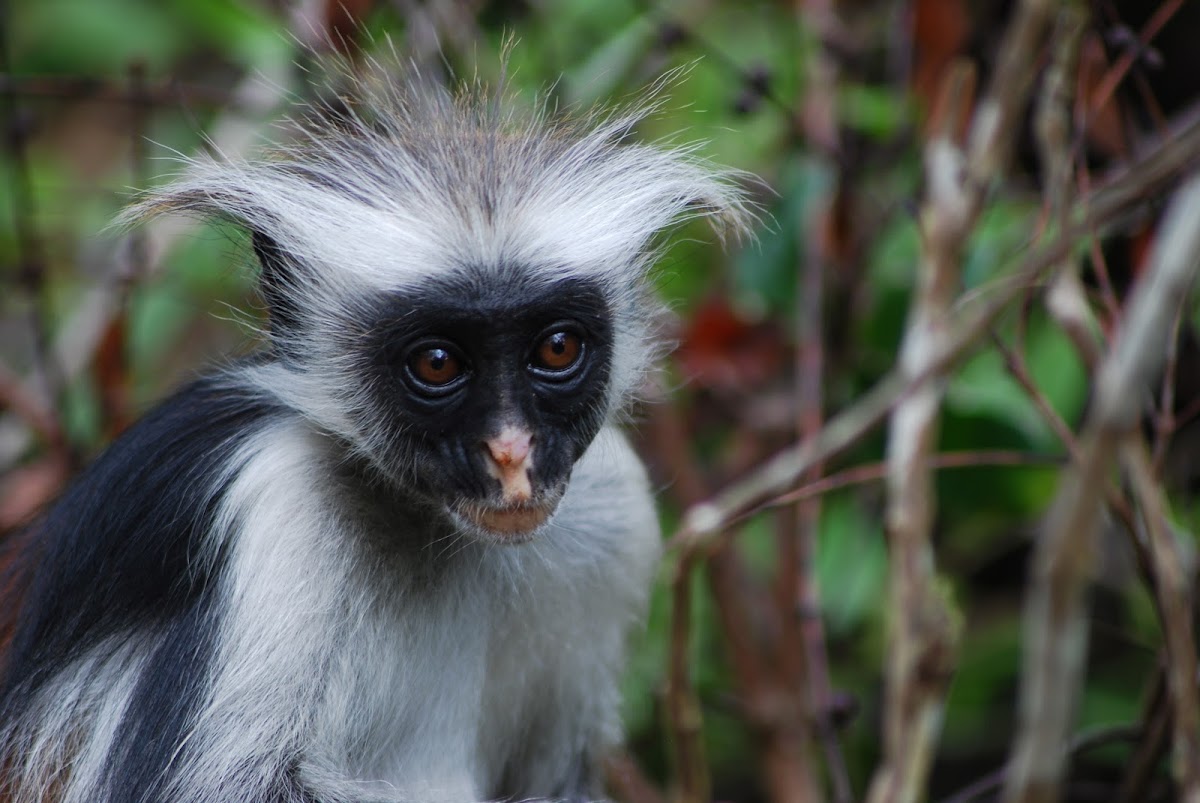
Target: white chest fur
495,672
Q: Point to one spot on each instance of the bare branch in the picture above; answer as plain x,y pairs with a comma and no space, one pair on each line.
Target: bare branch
798,593
1066,299
682,707
1173,567
1104,208
1055,615
923,634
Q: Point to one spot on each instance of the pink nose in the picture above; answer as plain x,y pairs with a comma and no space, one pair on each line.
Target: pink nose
512,458
510,447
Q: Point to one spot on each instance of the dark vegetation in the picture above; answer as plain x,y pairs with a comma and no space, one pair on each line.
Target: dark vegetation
1001,521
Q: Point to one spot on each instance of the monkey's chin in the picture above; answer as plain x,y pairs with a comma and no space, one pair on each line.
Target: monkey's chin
508,524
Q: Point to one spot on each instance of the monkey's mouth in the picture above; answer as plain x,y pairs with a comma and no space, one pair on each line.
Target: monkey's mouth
511,523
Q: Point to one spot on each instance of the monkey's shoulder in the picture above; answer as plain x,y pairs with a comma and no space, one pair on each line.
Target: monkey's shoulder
158,483
121,543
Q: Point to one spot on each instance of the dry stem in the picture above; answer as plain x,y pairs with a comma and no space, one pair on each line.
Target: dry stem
682,707
798,594
1173,566
1065,299
1165,559
1105,207
922,637
1055,623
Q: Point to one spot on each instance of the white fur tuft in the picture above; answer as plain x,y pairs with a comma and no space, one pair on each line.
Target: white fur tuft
410,183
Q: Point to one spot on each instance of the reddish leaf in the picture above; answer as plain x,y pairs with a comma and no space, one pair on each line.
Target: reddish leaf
721,349
111,371
940,32
343,22
26,490
1140,244
1105,133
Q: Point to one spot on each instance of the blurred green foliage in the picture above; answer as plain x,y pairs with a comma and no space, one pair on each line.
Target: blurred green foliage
201,306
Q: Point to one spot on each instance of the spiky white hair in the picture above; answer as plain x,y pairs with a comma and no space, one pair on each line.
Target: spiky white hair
407,182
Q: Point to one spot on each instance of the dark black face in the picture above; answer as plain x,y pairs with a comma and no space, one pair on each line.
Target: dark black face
484,393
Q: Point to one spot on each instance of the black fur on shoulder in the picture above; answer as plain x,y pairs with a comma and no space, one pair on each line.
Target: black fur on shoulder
119,554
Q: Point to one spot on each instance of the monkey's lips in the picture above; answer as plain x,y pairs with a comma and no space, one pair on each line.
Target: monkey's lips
511,522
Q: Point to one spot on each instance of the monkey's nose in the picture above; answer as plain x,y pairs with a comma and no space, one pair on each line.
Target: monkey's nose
511,447
511,459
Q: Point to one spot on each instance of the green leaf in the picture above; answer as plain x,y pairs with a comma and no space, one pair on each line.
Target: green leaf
1004,228
1056,368
765,276
596,78
93,38
851,564
242,31
877,111
983,386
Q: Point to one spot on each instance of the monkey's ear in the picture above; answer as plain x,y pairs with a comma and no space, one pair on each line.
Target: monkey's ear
278,286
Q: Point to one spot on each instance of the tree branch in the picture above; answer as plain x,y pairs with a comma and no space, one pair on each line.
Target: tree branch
1055,615
1103,209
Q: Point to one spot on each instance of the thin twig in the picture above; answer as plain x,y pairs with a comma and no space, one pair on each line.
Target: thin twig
1117,504
800,596
874,472
1065,299
759,681
1153,738
923,630
1108,293
1080,743
1055,615
1108,85
682,707
1014,363
167,94
1126,191
1174,566
1165,423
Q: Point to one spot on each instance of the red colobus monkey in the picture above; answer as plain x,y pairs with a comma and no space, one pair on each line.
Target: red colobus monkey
396,555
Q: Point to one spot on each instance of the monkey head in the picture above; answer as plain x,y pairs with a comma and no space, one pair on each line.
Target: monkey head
461,297
485,392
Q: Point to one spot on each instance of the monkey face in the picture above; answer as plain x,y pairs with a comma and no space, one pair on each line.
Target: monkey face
483,390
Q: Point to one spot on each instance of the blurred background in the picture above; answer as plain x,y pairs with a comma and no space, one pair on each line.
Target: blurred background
830,104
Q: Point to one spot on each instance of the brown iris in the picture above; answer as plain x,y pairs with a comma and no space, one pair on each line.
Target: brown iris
558,351
435,366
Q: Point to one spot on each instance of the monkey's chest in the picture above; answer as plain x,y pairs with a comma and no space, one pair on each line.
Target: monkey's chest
462,696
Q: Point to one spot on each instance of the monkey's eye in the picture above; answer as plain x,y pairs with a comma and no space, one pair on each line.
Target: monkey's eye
435,367
557,354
